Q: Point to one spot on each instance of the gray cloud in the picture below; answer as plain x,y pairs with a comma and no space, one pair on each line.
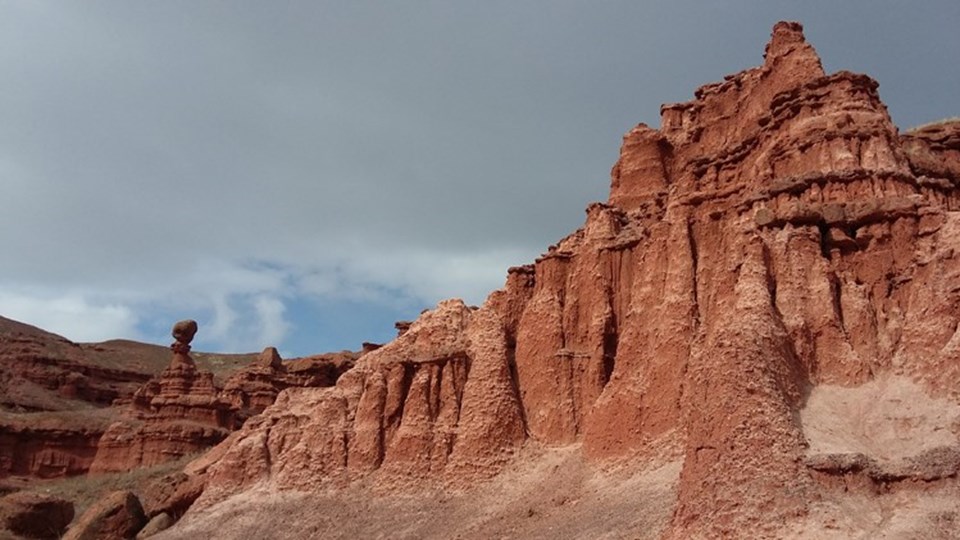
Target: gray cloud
248,154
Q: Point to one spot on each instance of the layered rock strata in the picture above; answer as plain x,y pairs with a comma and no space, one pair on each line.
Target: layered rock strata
256,387
48,445
176,414
775,234
40,371
438,398
57,398
183,411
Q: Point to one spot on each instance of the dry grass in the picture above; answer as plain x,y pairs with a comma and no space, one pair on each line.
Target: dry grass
152,359
88,489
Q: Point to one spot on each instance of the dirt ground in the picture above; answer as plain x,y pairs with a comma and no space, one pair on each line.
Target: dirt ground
544,494
552,493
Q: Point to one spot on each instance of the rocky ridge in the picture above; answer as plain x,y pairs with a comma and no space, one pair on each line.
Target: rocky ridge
184,411
49,431
57,398
775,235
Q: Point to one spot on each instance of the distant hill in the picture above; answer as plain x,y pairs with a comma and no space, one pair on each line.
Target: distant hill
42,371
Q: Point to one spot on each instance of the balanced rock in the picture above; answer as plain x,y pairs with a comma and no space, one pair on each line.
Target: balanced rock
183,331
175,414
184,411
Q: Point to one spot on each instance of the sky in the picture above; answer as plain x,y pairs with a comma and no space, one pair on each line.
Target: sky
303,174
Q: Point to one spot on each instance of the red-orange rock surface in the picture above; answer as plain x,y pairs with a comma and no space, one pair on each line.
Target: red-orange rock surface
177,414
252,389
47,445
40,371
51,391
30,515
172,494
438,398
119,515
183,411
775,238
57,398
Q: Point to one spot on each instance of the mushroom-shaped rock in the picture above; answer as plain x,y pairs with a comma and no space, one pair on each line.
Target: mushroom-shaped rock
183,331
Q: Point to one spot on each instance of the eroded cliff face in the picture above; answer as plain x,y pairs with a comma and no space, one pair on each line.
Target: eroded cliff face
184,411
440,398
775,234
254,388
175,414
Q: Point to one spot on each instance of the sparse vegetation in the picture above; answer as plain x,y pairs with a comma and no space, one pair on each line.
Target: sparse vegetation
222,365
933,124
87,489
91,417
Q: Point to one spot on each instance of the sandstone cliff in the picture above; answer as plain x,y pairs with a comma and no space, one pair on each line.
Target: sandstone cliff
775,239
184,411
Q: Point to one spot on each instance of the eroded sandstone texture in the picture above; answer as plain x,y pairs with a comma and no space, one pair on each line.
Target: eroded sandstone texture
176,414
253,389
440,397
183,411
47,384
774,234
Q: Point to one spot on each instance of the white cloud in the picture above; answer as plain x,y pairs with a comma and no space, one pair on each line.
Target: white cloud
72,315
154,167
222,326
272,324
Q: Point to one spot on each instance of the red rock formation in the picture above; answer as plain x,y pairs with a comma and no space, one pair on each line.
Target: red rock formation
438,398
118,515
933,152
160,522
183,411
40,371
47,445
172,494
31,515
61,396
176,414
775,234
251,390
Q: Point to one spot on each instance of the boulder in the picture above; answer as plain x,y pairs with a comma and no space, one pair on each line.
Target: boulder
33,515
160,522
118,515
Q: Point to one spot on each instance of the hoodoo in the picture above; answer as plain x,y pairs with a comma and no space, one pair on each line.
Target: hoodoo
175,414
769,299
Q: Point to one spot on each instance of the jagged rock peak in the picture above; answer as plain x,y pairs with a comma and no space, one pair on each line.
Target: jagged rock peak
776,240
787,39
739,137
270,359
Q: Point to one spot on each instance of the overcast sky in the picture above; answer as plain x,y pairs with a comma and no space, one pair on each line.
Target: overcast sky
302,174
